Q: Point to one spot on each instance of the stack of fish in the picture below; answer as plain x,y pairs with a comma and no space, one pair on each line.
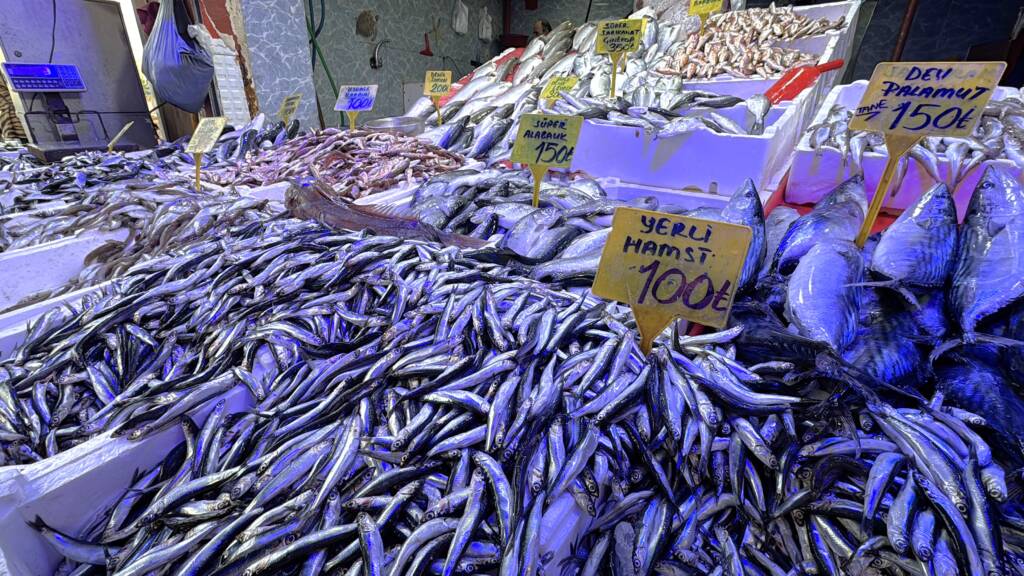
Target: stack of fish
998,136
42,202
563,236
481,119
356,163
716,53
761,25
419,410
687,111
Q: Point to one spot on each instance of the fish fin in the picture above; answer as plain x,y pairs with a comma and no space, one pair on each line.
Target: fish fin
944,347
894,285
948,345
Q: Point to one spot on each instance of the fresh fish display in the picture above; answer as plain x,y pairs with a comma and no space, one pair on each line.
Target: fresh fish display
36,191
562,237
999,135
469,420
716,53
480,120
760,25
426,386
356,163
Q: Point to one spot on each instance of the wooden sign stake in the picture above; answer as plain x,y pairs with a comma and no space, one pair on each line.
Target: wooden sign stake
897,145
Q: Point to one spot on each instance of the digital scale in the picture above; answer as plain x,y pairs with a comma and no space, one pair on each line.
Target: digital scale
51,80
44,77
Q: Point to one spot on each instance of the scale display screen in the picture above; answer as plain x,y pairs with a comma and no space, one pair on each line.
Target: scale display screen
44,77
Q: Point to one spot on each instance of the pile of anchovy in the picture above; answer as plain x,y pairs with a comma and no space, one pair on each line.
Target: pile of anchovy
356,163
421,409
998,136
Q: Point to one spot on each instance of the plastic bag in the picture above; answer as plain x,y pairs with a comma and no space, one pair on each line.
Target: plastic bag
485,30
460,17
178,68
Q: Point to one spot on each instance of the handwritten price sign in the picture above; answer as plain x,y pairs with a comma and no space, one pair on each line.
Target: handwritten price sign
288,107
204,137
924,98
619,36
616,38
437,83
545,141
705,8
909,100
664,266
355,99
553,89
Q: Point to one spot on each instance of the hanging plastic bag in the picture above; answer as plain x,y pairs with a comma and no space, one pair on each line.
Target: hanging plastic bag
179,69
460,17
486,29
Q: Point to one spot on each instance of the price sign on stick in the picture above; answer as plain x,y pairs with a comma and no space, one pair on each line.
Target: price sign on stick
288,107
616,38
355,99
545,141
110,147
558,84
436,85
909,100
664,266
705,8
203,139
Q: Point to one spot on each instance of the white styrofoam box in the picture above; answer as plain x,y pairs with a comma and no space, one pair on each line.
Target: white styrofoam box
814,173
679,199
14,323
47,266
71,489
701,160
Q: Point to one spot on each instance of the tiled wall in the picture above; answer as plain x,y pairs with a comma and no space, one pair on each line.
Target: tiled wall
278,55
557,11
402,23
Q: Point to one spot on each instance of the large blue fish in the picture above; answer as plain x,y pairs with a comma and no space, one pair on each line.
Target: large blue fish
989,272
837,216
745,208
918,248
823,296
775,226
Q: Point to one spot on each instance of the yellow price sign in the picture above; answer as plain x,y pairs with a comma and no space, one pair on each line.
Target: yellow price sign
545,141
204,137
553,89
288,107
437,84
909,100
355,99
665,266
618,37
114,141
705,8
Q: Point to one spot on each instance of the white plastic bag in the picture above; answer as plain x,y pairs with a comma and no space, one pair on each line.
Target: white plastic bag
460,17
486,27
